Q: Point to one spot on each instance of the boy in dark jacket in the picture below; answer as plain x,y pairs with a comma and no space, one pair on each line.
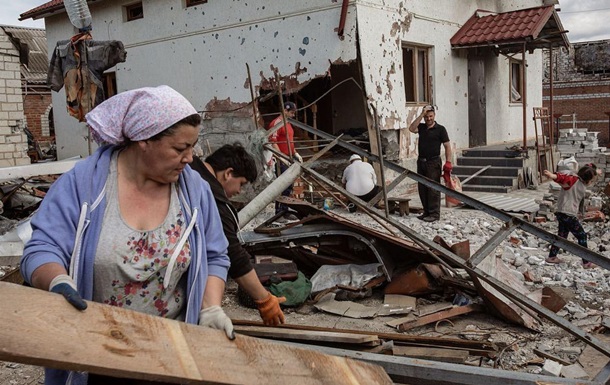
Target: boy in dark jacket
227,170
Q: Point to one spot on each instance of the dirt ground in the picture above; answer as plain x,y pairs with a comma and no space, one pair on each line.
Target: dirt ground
517,342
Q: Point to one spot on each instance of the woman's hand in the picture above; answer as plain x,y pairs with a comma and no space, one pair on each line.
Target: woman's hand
214,317
64,285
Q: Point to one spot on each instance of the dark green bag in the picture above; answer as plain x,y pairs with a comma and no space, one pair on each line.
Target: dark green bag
296,292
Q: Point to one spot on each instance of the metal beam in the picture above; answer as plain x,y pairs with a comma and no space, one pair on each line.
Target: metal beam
423,372
573,248
492,243
518,298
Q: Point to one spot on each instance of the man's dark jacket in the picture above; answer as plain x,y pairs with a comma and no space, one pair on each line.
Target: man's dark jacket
240,259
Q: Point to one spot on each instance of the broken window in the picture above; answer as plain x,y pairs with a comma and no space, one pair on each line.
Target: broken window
134,11
516,86
415,67
190,3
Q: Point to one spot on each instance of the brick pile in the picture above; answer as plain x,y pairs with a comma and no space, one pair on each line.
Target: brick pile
584,146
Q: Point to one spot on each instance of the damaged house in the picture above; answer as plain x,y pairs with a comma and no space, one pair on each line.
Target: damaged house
351,66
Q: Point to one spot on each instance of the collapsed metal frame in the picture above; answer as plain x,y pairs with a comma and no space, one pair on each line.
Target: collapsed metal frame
510,224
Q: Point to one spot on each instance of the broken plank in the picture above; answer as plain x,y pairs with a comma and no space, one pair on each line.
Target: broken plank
459,310
306,335
400,337
550,356
112,341
433,308
433,354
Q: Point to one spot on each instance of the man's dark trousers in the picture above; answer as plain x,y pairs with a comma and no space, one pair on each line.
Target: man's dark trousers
430,198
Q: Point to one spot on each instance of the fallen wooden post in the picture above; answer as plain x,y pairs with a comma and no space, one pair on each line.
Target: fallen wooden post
45,330
454,312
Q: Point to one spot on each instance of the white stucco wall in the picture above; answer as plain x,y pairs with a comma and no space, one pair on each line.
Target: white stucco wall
384,26
202,52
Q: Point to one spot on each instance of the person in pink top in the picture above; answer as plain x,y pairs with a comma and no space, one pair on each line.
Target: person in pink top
574,188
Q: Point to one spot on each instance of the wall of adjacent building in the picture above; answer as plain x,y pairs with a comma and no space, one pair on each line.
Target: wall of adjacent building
13,141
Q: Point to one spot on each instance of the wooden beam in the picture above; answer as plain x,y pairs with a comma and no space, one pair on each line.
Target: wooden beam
425,320
41,328
27,171
306,335
401,337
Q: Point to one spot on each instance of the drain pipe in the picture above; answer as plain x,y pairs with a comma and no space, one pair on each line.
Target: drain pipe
341,28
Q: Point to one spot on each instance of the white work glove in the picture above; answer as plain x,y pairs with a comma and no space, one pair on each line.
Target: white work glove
298,157
214,317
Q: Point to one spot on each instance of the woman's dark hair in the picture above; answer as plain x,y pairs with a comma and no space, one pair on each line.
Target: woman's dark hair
236,157
191,120
587,172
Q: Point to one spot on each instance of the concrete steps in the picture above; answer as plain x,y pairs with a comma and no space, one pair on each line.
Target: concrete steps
501,177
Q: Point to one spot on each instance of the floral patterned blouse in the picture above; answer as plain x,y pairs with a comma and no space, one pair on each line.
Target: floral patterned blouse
130,265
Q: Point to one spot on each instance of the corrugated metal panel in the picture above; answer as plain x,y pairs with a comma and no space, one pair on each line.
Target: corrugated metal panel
506,203
35,38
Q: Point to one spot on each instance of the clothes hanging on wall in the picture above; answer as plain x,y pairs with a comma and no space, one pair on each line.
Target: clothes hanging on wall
79,65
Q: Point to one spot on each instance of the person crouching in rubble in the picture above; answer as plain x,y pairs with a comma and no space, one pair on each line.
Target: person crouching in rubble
570,197
360,180
227,170
133,224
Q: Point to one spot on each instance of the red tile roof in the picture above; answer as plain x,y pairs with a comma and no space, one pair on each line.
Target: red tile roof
51,6
488,28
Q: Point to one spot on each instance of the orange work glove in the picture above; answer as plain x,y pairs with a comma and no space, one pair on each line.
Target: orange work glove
269,309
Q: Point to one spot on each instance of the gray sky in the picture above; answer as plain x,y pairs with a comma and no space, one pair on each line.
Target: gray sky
585,19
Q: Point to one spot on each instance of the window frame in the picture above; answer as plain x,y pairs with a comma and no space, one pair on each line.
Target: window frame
419,91
128,8
519,86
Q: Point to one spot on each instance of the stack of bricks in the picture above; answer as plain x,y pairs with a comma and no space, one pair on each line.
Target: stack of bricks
584,146
13,141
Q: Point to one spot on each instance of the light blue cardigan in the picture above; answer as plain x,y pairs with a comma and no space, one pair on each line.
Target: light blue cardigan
67,226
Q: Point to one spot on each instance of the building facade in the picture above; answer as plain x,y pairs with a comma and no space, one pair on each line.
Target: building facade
581,87
353,66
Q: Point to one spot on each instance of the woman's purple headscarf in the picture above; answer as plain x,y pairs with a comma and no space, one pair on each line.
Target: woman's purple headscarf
137,114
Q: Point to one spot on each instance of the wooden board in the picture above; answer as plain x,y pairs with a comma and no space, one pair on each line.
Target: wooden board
306,335
45,330
432,354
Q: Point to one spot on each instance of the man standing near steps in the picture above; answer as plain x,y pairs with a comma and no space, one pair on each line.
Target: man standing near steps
227,170
431,136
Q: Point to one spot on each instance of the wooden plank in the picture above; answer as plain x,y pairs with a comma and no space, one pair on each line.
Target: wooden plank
401,337
112,341
459,310
433,354
306,335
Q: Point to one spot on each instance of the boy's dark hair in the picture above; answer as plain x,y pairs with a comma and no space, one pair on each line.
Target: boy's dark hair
587,172
236,157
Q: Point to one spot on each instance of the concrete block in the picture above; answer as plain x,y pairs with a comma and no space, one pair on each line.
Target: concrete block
8,107
23,161
551,368
575,372
7,74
